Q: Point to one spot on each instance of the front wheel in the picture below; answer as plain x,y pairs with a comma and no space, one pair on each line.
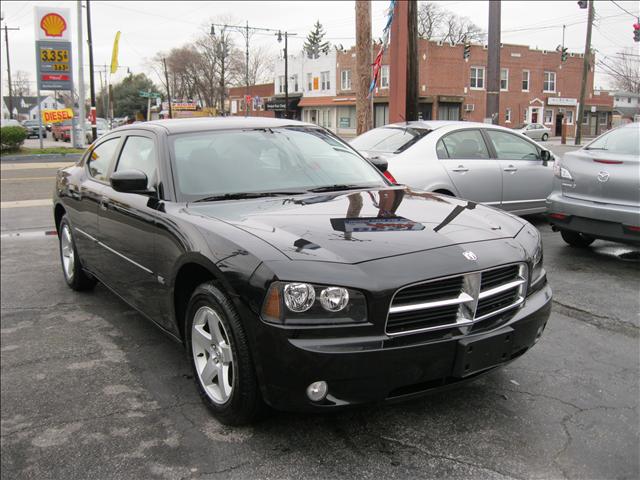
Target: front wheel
74,275
577,239
219,354
545,137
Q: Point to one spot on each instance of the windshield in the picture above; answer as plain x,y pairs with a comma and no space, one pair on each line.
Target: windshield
210,164
388,139
624,140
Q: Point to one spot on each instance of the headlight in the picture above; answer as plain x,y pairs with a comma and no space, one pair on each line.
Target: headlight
537,272
298,303
561,172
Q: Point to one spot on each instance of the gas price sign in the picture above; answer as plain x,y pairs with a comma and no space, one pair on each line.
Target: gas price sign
54,65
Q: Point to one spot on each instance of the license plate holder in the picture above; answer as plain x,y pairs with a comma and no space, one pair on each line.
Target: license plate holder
481,353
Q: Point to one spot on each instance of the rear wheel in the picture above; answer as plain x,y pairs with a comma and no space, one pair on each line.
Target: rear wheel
218,351
544,137
74,275
577,239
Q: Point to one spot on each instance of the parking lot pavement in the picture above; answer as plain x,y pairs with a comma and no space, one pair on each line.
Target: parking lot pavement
90,389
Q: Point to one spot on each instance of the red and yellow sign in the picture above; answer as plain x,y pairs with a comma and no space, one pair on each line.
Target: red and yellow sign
57,116
53,25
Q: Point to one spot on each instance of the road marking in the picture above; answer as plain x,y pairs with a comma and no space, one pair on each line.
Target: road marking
44,202
33,166
26,178
29,234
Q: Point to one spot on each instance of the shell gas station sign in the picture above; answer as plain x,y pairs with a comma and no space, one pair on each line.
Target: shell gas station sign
53,48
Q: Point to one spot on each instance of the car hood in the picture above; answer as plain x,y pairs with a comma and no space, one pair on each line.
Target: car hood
359,226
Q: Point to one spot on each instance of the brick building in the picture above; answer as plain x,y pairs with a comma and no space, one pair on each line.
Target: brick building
261,95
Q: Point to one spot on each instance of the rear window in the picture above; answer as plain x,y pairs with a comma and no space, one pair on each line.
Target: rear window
388,139
624,141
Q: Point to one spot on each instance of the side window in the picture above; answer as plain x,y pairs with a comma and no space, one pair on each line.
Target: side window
512,147
466,144
441,151
139,153
100,159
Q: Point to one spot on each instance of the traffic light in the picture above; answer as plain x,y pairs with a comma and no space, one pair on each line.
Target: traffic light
583,4
636,32
564,54
467,51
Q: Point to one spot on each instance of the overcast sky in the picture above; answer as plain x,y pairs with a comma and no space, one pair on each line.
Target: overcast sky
149,27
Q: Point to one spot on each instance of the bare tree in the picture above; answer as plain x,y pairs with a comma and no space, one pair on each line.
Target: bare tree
21,84
624,70
435,22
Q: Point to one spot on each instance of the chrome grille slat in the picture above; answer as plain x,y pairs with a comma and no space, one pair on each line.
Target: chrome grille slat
458,301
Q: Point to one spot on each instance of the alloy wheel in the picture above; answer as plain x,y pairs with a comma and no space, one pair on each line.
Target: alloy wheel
68,255
212,355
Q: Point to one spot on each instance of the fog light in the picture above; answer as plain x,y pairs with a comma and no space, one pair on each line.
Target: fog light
334,299
317,391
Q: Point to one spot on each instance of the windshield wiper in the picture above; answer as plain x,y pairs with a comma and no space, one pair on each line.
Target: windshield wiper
338,187
243,195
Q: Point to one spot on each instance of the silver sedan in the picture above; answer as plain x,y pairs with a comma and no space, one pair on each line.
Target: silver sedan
480,162
536,131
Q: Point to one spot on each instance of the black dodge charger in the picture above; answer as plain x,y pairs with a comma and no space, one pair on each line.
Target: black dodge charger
293,271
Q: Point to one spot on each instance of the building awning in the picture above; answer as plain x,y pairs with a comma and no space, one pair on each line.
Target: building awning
321,102
279,104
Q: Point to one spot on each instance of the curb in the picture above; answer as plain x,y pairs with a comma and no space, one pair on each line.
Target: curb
42,157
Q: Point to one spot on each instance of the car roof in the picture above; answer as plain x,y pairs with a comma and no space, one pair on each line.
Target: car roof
435,124
187,125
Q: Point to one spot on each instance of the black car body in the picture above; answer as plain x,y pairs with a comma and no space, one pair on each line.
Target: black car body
475,273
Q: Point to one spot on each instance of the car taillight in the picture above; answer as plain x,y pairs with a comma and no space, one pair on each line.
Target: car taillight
632,229
558,216
390,177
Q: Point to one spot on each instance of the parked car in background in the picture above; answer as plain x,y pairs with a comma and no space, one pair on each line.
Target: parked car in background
535,131
102,127
61,131
291,270
32,127
480,162
597,190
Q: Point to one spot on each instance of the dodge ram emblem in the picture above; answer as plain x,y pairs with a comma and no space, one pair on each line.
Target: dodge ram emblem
469,255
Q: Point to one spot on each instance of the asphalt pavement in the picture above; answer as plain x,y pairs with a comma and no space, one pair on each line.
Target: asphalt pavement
90,389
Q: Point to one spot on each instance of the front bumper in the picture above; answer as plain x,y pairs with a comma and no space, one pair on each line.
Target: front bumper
374,369
600,220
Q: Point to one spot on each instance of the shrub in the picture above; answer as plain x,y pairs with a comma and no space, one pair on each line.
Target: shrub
11,138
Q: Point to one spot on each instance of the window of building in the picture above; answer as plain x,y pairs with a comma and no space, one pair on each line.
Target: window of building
548,116
384,76
504,79
549,84
477,78
309,82
602,118
569,116
381,115
326,81
345,80
507,115
294,79
628,99
346,117
585,118
281,84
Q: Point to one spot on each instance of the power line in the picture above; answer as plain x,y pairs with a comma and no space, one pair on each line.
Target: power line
624,9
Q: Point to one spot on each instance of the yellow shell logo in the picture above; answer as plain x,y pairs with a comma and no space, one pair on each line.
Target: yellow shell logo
53,25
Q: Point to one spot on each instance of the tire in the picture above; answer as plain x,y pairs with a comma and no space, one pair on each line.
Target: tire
544,137
72,270
221,362
577,239
55,139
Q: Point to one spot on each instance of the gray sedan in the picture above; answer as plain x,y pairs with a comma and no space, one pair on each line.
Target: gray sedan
480,162
597,190
536,131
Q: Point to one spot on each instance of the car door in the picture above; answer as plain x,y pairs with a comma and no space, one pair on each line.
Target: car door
127,226
85,197
526,179
465,156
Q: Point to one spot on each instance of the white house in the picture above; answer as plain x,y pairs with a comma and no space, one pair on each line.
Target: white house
26,108
627,106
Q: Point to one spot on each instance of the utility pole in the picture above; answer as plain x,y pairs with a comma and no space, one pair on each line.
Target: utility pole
81,92
6,42
222,53
585,70
286,72
94,130
403,85
246,71
412,61
166,78
364,107
493,64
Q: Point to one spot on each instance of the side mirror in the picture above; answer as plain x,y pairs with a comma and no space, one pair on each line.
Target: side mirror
545,156
380,163
129,181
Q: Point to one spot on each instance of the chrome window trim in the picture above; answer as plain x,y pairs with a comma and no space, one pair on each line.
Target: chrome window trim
471,289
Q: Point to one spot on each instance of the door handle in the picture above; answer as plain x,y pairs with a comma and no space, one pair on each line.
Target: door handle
104,202
511,168
461,168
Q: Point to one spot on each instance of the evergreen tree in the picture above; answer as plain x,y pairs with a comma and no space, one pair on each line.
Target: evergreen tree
315,44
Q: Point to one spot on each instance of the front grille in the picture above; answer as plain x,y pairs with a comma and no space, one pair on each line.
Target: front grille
458,301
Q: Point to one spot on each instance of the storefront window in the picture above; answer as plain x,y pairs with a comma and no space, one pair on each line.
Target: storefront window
346,117
602,118
381,115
